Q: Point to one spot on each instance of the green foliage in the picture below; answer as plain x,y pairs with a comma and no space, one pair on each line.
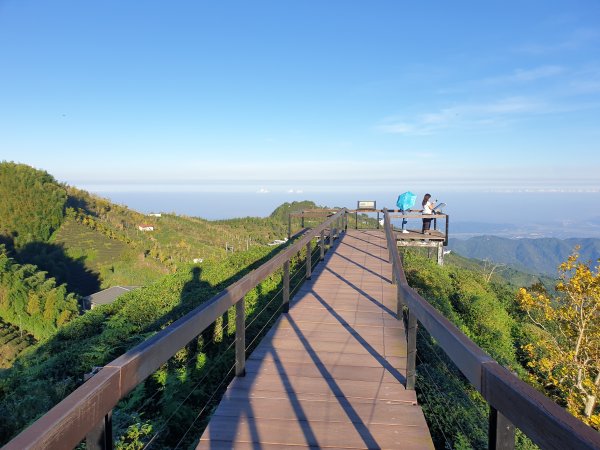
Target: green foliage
32,203
12,343
31,300
489,315
282,211
502,273
105,332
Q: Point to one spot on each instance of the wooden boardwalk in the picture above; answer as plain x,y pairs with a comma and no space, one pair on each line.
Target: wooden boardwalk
331,372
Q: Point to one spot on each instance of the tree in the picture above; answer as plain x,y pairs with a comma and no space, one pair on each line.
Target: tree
566,359
489,267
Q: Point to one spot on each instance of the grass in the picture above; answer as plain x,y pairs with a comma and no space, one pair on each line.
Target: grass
82,242
116,262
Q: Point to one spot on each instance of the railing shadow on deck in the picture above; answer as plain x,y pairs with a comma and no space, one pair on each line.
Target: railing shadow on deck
363,293
89,408
513,403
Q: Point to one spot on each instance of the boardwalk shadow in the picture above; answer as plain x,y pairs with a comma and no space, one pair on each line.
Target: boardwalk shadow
372,272
362,292
368,242
366,253
356,335
338,393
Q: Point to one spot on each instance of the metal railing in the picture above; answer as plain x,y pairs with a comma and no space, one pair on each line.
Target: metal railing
87,410
512,401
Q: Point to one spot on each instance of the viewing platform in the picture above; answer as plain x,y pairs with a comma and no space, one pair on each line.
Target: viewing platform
434,240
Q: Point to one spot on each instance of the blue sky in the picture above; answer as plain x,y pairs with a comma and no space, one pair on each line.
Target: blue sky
302,96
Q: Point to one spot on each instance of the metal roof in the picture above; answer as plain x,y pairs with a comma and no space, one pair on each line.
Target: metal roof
109,295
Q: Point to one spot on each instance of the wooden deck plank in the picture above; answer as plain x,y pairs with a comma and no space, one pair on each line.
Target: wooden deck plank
322,411
320,343
330,373
320,370
272,386
327,358
318,434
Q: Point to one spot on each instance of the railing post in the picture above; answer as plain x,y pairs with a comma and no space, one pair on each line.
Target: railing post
393,267
240,338
286,286
501,433
289,226
322,245
411,352
393,238
302,219
378,220
399,302
308,261
100,438
356,220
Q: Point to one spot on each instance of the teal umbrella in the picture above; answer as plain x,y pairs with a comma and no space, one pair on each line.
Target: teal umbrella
406,201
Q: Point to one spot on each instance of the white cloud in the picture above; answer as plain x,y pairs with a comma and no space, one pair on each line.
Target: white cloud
464,116
295,191
263,191
577,39
527,75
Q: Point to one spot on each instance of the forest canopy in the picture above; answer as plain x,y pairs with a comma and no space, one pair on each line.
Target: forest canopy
32,204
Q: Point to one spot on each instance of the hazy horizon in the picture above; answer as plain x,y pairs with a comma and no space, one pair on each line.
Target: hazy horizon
519,214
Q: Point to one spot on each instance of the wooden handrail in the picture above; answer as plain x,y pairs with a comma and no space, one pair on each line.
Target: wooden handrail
67,423
541,419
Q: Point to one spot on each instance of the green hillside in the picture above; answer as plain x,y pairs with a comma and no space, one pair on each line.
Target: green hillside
541,255
89,243
60,238
107,331
31,204
500,272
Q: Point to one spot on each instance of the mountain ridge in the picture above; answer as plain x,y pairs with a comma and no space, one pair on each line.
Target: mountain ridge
534,255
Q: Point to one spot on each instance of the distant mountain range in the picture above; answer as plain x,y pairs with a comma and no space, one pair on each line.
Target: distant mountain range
561,228
542,255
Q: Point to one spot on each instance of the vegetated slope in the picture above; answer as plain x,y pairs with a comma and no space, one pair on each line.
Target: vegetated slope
12,343
90,243
487,312
31,204
542,255
31,300
282,211
46,375
174,240
492,271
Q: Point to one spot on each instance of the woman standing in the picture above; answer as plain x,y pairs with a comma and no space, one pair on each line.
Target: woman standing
427,209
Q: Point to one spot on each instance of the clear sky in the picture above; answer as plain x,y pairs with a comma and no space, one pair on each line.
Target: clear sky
285,96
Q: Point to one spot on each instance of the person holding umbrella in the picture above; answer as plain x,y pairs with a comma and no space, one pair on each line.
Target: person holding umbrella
427,209
405,202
